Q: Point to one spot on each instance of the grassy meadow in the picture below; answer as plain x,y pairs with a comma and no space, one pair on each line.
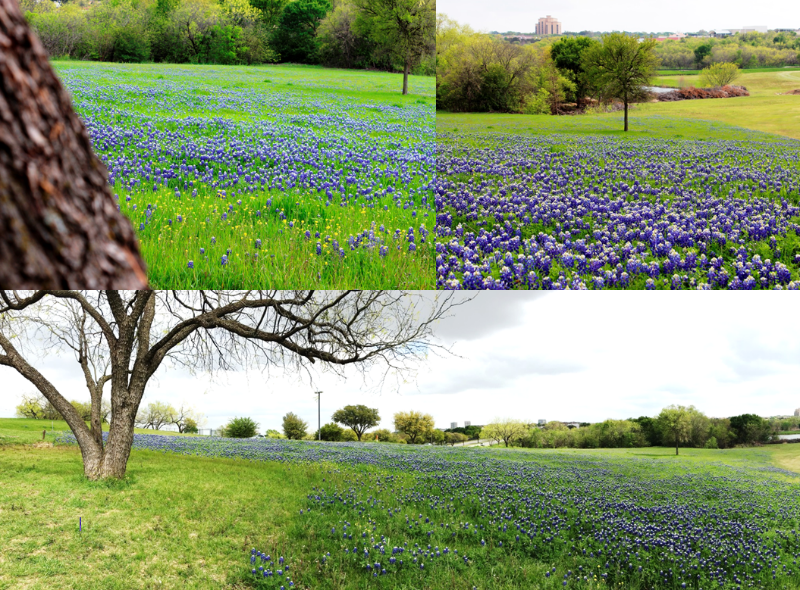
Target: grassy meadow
185,519
765,115
273,176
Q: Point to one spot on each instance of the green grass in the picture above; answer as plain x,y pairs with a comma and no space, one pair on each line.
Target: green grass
273,121
660,126
748,71
189,522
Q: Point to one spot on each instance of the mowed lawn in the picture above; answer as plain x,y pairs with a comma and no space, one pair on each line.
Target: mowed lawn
760,116
190,522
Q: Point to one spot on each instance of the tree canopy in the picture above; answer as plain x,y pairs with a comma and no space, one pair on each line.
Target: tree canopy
415,425
358,417
621,67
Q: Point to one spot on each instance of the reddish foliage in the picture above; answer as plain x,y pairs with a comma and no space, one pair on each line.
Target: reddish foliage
691,93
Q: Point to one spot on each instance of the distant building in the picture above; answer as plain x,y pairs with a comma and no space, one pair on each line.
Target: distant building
548,26
453,424
542,422
797,412
467,423
572,424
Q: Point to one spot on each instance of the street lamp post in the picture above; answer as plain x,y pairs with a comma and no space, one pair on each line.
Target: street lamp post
319,415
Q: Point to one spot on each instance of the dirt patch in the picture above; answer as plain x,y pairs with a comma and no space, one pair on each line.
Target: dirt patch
797,92
42,445
692,93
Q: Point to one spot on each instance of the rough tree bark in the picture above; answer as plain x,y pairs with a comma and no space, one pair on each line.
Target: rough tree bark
59,224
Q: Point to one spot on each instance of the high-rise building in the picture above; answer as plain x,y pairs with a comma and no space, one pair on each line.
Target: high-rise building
453,424
548,26
467,423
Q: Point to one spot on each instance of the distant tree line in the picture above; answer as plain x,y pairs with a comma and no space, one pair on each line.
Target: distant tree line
675,426
394,35
749,50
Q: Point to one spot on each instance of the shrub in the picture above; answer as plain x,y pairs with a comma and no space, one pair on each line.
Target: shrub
711,443
191,426
348,436
131,45
241,428
331,432
382,435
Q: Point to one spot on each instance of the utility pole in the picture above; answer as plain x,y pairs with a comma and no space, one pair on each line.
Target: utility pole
319,415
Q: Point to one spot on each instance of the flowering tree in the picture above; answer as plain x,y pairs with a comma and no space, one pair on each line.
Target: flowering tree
134,332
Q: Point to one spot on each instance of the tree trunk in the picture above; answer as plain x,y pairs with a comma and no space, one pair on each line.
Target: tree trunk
676,444
406,71
59,225
626,114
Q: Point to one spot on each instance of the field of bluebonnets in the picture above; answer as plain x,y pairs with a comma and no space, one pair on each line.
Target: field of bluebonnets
266,176
554,211
390,516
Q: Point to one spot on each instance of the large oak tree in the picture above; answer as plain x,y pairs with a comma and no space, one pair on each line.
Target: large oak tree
122,338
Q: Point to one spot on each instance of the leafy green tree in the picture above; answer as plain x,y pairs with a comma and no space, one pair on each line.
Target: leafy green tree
750,428
415,425
358,417
296,35
405,29
241,428
701,52
676,423
269,11
567,54
272,433
293,427
621,67
190,426
719,74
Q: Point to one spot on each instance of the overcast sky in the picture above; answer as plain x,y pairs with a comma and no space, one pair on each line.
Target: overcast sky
623,15
558,356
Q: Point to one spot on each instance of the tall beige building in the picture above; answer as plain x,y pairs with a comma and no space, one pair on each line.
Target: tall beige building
548,26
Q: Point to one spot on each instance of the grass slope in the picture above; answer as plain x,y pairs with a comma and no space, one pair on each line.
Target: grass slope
189,522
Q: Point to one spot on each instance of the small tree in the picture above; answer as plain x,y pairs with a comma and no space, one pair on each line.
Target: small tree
506,430
155,415
84,409
31,407
359,418
184,416
241,428
453,438
621,67
719,74
415,425
293,427
190,426
676,423
272,433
